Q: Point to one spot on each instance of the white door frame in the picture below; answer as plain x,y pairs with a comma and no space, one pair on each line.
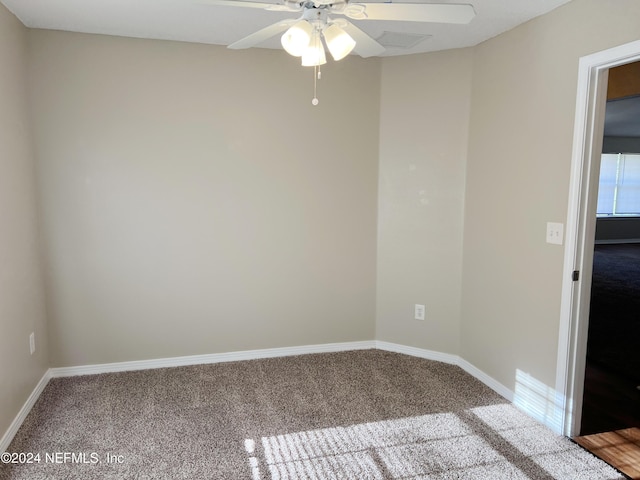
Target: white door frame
581,222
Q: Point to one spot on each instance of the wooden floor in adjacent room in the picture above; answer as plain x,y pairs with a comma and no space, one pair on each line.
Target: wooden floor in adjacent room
620,449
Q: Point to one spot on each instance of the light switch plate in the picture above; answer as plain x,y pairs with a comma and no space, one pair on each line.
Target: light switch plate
555,233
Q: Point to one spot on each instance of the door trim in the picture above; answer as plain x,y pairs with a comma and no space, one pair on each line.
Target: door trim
580,231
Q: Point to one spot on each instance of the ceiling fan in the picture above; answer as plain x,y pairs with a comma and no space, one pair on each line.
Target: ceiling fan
302,35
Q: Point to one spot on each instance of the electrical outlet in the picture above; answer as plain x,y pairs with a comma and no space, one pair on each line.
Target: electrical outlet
32,343
418,312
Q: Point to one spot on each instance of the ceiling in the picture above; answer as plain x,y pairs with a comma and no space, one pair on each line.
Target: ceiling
197,21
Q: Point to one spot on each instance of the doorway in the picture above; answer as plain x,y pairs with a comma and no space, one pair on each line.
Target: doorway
581,228
611,399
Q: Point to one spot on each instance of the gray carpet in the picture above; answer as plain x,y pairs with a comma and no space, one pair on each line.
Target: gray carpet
355,415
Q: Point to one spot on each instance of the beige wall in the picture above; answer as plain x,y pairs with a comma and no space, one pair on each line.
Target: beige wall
521,131
424,118
196,202
21,286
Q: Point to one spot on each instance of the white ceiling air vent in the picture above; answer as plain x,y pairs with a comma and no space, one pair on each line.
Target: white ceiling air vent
401,40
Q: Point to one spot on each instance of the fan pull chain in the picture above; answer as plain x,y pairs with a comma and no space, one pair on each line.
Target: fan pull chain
316,76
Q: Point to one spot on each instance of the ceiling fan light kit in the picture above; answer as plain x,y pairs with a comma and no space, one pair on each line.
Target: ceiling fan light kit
314,55
297,38
303,37
339,42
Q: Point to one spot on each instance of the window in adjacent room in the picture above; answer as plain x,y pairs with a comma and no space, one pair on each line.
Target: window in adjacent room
619,190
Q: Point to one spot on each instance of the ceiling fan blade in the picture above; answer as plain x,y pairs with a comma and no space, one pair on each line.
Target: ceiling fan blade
273,7
365,45
262,35
238,3
412,12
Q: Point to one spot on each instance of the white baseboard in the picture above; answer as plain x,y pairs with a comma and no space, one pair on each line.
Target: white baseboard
490,382
450,359
24,411
419,352
283,352
210,358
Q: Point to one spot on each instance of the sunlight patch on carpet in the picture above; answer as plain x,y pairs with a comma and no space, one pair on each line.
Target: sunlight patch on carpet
428,447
